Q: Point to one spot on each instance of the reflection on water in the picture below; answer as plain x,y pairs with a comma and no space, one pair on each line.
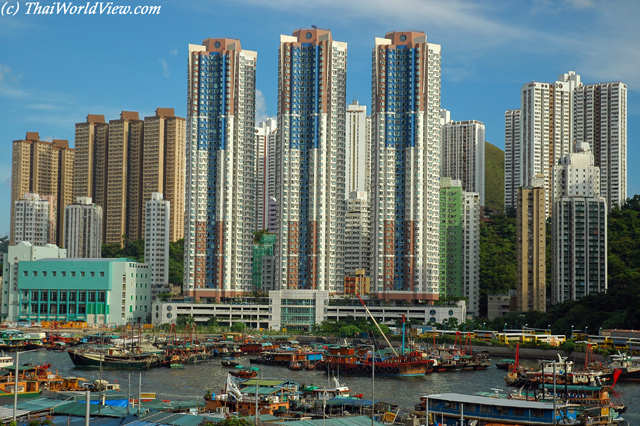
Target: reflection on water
194,381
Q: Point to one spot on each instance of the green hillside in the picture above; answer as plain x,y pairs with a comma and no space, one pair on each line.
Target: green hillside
493,177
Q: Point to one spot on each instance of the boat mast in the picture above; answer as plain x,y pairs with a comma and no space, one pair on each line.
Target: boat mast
376,323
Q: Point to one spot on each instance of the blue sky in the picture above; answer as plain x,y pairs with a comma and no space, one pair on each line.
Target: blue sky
55,69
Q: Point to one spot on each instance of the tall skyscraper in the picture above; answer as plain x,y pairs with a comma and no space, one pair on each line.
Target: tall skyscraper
471,250
220,194
460,243
579,233
553,117
601,120
406,139
357,239
156,242
35,220
312,78
546,129
463,154
531,255
451,238
120,163
90,168
123,209
43,168
163,166
83,229
266,133
512,180
358,149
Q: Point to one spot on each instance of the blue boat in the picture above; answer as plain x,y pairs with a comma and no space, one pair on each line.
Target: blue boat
471,410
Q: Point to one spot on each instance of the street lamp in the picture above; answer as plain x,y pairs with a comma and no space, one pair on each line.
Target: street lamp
483,331
572,331
15,385
586,333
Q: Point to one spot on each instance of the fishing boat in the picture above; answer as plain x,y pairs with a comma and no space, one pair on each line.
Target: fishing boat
32,379
460,409
244,373
5,361
175,362
561,371
113,358
504,364
228,362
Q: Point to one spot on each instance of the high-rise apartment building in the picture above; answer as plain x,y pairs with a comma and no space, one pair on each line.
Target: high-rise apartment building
163,166
35,220
552,118
451,238
545,129
531,272
357,238
358,149
83,229
405,162
120,163
471,250
156,241
600,112
266,133
579,233
43,168
459,243
312,78
262,249
463,154
220,195
123,208
512,180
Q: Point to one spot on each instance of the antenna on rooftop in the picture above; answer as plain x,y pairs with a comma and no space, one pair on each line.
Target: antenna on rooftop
314,27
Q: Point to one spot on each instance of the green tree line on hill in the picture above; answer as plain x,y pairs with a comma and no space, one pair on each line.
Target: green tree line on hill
134,249
617,308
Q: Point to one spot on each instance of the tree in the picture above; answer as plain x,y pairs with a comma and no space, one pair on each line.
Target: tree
349,331
238,327
4,244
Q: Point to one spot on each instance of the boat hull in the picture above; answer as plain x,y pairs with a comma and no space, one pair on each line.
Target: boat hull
110,362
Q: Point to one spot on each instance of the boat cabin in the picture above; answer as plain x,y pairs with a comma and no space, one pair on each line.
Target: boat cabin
452,408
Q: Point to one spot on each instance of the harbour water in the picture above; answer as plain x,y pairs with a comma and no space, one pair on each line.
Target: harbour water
193,381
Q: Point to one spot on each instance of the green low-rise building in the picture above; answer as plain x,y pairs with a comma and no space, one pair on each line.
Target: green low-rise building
98,291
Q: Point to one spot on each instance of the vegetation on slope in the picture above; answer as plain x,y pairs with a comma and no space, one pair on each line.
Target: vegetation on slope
134,249
493,177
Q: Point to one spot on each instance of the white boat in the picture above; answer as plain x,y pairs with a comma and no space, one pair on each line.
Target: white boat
6,361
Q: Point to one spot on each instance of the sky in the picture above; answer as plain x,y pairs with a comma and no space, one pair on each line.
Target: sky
56,68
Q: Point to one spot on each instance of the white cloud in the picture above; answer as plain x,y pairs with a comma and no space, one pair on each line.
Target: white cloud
9,83
174,52
261,107
165,67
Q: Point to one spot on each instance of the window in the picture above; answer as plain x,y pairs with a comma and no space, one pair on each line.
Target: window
82,273
92,296
102,273
64,273
101,296
73,296
93,274
83,296
73,273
